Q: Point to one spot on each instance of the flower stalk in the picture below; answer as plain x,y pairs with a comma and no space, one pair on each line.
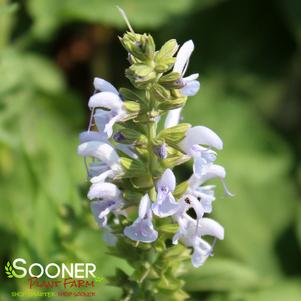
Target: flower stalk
149,220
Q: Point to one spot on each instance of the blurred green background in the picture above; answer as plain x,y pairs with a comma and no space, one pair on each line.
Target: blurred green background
248,54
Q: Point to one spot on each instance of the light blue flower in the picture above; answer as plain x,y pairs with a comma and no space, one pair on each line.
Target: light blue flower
107,98
142,229
101,210
166,204
190,84
107,164
191,233
209,171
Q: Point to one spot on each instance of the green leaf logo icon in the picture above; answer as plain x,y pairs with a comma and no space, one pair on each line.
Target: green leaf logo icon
9,270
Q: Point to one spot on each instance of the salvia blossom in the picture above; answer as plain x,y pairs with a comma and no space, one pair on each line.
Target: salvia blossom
190,85
128,162
191,232
109,99
142,229
166,204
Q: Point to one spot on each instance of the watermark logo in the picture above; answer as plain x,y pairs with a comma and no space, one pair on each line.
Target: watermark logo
61,280
9,271
20,269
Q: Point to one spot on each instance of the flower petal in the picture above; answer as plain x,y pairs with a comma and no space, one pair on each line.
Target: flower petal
127,150
91,135
167,207
208,226
200,254
99,150
98,207
109,126
183,56
107,191
191,88
101,118
172,118
103,176
106,100
191,77
141,230
144,206
212,171
168,180
104,86
200,135
196,205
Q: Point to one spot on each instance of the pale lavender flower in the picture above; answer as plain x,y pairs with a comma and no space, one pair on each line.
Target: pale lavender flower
104,191
204,194
191,232
109,99
109,160
190,84
166,204
200,135
209,172
101,210
161,151
142,229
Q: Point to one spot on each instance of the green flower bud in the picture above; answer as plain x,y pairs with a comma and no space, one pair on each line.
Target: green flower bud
140,75
171,80
171,162
169,228
132,106
173,103
158,92
139,46
149,47
174,134
164,65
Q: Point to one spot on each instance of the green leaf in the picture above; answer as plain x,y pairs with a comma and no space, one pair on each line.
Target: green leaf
129,95
49,15
289,290
222,275
7,11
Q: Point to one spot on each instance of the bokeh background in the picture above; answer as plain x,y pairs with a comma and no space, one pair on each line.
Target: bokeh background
249,58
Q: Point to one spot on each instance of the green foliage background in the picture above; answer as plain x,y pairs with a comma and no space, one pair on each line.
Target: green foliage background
249,58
